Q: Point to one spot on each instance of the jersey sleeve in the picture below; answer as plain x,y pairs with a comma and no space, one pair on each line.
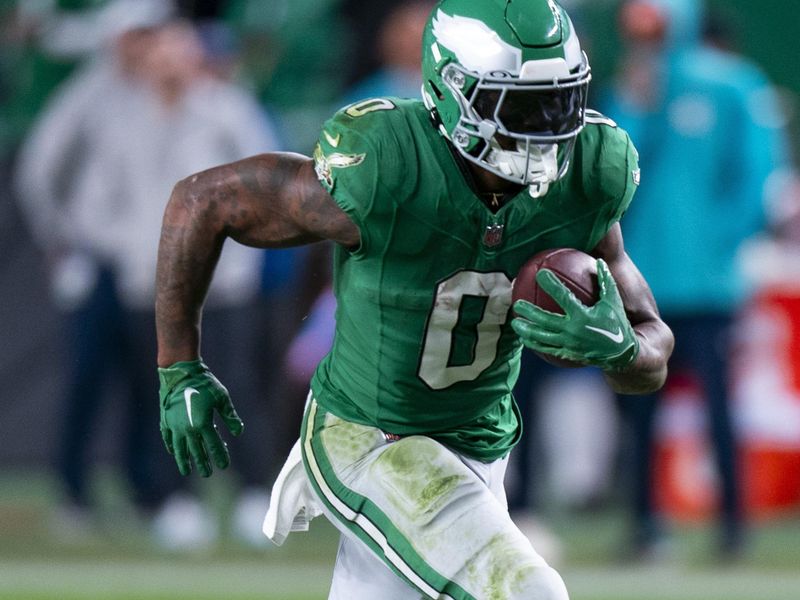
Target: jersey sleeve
612,177
630,179
358,161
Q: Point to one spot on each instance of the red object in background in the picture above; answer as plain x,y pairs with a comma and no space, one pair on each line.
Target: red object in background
786,302
767,396
641,21
766,407
684,476
771,480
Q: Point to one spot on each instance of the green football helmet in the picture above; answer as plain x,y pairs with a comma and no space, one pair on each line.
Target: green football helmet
507,81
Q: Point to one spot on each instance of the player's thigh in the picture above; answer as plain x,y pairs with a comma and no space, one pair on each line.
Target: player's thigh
420,509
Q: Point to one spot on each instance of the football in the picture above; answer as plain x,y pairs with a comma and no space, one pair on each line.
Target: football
576,269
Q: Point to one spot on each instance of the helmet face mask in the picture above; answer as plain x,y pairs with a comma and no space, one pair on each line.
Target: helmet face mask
526,111
512,108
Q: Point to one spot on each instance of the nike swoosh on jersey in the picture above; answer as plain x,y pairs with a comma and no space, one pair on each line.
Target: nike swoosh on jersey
187,397
614,337
333,141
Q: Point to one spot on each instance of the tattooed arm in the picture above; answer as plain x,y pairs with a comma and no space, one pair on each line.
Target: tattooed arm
267,201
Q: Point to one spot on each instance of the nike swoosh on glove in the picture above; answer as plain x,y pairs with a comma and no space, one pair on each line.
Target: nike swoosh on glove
190,395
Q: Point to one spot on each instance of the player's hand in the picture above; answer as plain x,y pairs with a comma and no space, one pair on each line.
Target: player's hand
599,335
189,395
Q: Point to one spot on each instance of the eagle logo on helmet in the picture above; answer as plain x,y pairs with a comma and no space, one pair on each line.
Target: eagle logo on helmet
475,45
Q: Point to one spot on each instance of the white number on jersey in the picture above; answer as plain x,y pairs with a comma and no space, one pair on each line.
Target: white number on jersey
435,368
359,109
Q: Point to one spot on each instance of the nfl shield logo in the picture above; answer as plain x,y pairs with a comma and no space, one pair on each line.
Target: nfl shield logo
493,235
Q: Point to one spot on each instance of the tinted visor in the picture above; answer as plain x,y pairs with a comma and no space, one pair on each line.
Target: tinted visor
533,112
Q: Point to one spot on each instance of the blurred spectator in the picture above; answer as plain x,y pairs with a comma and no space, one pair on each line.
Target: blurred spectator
30,68
398,48
71,220
293,57
361,19
708,129
93,177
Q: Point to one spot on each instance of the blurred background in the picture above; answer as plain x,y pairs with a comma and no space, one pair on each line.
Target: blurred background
693,494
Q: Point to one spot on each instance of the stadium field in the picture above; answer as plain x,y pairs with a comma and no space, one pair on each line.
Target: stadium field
160,580
118,561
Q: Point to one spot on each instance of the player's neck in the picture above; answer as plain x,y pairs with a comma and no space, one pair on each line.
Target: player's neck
489,183
493,189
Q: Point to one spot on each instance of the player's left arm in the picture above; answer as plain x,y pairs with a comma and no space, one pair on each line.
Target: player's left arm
648,371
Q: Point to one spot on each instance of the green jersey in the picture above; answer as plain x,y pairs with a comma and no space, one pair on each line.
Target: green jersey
423,343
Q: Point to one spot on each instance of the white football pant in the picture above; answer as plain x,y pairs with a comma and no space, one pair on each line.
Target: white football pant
418,520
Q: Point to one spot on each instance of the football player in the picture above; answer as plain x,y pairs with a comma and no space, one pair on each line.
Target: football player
433,205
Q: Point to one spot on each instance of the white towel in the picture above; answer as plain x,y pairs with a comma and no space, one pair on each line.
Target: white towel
293,504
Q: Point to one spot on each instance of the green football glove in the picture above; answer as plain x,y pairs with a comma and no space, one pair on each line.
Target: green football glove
189,395
599,335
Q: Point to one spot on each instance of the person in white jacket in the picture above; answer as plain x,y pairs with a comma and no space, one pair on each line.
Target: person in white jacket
92,179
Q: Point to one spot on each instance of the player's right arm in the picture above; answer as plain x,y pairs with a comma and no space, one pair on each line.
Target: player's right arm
267,201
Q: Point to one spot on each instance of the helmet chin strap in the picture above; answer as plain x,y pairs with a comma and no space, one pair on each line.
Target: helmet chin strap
531,164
